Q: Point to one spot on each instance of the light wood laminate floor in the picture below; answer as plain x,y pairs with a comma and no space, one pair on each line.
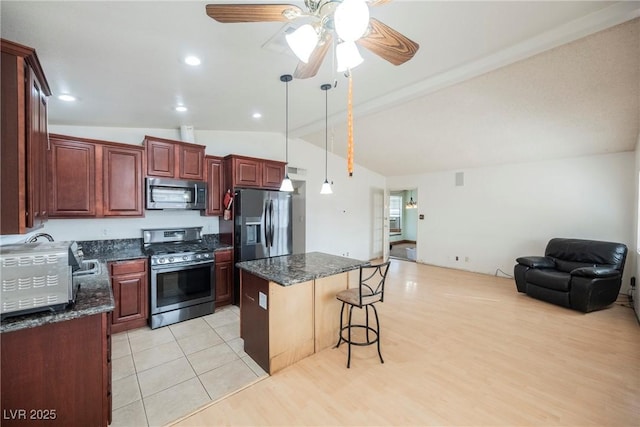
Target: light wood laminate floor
460,349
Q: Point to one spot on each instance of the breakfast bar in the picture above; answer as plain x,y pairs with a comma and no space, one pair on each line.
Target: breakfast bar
288,308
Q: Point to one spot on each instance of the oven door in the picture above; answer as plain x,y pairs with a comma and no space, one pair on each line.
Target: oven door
178,286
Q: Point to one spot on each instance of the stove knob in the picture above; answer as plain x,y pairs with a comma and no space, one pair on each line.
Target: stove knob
170,259
185,258
206,255
198,256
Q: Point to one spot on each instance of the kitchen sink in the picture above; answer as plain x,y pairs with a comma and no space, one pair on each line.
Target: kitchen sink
89,267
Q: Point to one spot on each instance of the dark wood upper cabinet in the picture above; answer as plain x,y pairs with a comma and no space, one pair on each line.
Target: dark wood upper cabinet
272,174
73,178
161,158
215,180
123,182
174,159
190,162
242,171
91,178
23,176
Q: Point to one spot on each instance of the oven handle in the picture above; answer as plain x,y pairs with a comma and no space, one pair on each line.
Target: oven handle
181,266
195,190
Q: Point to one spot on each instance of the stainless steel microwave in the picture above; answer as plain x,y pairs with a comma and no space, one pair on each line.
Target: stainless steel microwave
165,193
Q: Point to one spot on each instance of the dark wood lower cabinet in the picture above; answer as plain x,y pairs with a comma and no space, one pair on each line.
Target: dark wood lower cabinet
224,277
57,374
130,290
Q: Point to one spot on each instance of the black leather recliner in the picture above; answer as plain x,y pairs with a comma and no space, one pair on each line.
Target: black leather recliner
584,275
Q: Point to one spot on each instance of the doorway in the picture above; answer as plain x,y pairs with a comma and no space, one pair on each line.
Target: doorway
403,224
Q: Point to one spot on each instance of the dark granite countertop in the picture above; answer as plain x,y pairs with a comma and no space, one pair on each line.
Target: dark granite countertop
125,249
291,269
94,296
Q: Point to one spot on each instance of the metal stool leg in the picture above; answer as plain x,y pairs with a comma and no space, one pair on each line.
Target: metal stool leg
366,322
349,341
340,330
378,327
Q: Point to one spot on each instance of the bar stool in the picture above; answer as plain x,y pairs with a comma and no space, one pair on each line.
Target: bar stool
369,291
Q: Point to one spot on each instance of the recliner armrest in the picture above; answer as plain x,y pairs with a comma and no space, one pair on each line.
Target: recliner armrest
595,271
537,261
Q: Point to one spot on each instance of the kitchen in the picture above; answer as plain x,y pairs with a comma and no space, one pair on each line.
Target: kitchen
79,207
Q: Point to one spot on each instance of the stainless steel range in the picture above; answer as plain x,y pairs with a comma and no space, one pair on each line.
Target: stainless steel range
182,275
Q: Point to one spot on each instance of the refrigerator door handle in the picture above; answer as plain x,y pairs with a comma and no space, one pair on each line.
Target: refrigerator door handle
273,229
266,223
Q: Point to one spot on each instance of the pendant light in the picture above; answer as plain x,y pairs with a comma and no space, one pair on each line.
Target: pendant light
326,187
411,204
286,182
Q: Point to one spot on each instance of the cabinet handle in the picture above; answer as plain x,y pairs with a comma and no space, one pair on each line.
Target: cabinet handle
252,299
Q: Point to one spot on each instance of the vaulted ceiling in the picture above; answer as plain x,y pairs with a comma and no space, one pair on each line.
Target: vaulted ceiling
493,82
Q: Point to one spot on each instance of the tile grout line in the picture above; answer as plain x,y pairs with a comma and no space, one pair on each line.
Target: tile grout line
135,369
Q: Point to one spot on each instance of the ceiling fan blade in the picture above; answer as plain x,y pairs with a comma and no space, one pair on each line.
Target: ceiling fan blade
387,43
377,2
310,69
229,13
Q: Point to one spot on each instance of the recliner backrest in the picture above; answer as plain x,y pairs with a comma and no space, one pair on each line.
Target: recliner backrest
574,253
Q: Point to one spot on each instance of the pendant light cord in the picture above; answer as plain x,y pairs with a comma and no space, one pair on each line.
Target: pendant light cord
325,87
286,78
326,130
286,124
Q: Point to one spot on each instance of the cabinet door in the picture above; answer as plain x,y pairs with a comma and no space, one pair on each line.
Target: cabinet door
56,369
44,164
37,143
122,180
160,158
191,162
215,178
254,319
224,277
129,283
248,172
73,189
272,174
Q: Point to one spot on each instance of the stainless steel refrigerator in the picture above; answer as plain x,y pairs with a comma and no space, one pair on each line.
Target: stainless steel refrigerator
262,222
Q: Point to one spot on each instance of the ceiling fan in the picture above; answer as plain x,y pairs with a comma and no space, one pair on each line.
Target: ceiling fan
347,21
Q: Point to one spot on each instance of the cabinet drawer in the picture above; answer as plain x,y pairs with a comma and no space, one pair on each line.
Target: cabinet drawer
221,256
128,267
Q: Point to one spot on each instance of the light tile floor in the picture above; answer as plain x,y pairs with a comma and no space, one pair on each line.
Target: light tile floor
163,374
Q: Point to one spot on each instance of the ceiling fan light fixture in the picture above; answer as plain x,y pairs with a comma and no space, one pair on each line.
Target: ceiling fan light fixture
351,19
303,41
348,56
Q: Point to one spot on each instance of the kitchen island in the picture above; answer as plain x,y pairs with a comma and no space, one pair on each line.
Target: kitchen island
288,308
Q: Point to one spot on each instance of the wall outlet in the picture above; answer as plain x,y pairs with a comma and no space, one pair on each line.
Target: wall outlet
105,231
457,258
466,259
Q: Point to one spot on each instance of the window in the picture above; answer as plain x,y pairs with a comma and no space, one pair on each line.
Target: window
395,213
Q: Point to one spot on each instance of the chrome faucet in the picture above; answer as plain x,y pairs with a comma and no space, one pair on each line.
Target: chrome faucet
35,237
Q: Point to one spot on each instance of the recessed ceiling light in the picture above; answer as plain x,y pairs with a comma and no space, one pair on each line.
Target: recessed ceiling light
181,108
66,97
192,60
256,115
